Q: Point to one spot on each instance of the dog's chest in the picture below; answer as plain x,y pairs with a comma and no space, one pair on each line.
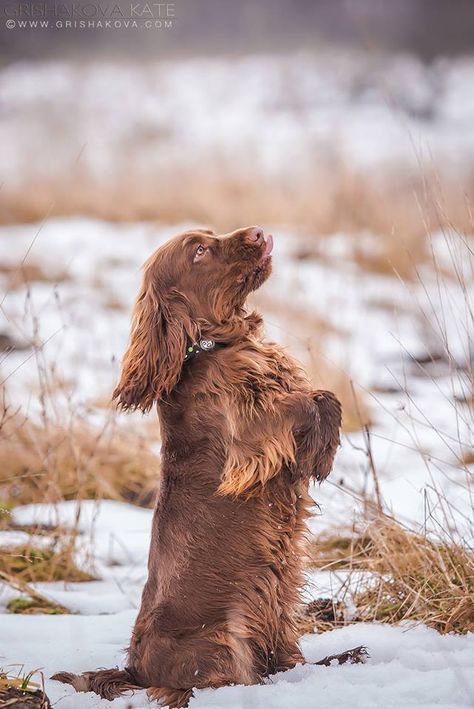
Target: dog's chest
235,377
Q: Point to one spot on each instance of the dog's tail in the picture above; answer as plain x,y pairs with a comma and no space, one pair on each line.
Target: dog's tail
108,684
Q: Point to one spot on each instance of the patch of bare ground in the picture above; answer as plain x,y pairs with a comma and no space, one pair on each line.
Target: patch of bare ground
20,692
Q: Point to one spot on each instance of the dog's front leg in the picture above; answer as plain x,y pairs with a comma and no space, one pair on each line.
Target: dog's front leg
317,435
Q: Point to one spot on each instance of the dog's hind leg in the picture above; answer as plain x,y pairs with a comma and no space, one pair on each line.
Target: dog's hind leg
173,698
108,684
355,656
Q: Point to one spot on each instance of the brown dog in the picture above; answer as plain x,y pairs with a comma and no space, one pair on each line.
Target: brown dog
243,433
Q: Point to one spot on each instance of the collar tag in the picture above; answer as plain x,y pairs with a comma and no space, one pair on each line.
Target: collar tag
207,344
204,345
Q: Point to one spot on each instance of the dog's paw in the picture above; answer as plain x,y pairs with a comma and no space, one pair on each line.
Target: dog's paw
355,656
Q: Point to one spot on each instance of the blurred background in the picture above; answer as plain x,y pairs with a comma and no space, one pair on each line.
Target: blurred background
304,112
344,127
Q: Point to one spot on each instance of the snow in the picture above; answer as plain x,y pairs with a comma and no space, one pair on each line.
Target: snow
360,110
408,667
416,438
114,533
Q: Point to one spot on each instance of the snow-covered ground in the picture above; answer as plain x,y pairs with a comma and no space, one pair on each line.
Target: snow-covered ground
409,666
406,346
417,435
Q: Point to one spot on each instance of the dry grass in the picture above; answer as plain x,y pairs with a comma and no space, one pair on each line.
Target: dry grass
410,577
31,600
26,606
21,692
50,463
53,562
17,276
329,552
400,207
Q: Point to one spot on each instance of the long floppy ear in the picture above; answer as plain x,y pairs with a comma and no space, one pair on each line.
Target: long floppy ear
152,364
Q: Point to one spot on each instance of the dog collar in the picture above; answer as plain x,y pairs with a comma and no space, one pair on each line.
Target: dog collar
204,345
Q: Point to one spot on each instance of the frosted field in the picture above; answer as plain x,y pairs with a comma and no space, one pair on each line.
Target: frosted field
409,666
417,437
388,336
407,347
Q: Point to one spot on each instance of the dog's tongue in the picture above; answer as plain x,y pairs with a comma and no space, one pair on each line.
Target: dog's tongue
268,245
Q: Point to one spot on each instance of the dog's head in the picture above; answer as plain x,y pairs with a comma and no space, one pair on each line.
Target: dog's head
192,285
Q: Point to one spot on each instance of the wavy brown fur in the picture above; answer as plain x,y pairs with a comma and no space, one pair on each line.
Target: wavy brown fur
243,434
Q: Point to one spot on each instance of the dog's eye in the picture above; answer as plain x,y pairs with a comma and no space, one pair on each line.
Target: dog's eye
199,253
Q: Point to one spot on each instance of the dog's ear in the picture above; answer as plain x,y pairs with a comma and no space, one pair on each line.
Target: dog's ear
160,328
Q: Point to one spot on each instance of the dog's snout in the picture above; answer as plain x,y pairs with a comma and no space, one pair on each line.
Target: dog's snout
255,236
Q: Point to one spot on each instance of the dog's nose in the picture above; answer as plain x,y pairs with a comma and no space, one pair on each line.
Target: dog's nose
255,236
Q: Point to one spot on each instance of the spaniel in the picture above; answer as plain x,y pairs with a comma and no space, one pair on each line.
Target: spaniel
243,434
